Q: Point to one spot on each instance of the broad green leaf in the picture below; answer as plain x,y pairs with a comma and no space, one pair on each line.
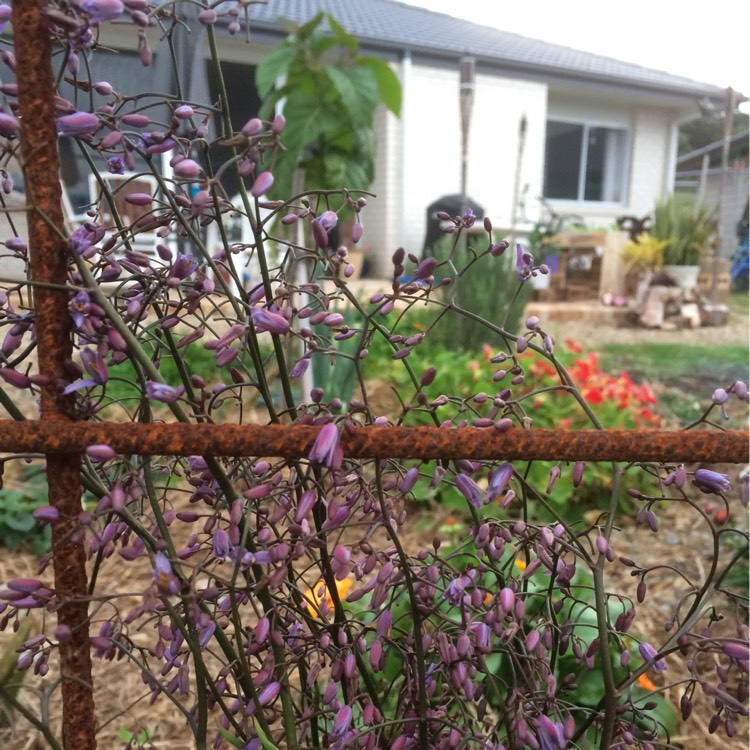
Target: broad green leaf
358,92
274,65
20,523
389,86
589,688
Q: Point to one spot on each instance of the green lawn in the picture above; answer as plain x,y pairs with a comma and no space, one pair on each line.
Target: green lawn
685,374
677,363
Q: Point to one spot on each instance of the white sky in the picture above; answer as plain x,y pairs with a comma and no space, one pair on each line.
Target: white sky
706,41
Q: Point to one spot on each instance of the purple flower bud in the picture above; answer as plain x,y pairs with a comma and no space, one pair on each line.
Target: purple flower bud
326,448
46,514
357,230
499,481
554,475
164,577
24,585
719,396
162,392
470,490
333,319
15,378
343,721
711,482
328,220
524,263
269,693
649,653
409,480
277,125
507,599
263,183
184,112
578,468
428,376
187,169
139,199
740,390
207,17
426,268
8,123
252,127
732,650
77,124
266,321
100,452
532,639
319,234
136,120
521,344
100,10
402,353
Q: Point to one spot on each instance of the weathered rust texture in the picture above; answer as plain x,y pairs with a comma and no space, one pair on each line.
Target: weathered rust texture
380,442
48,256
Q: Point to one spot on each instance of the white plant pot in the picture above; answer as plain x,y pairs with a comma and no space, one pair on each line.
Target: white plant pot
685,276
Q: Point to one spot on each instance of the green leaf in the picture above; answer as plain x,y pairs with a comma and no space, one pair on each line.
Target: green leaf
342,36
589,688
358,91
236,741
267,744
20,523
274,65
306,30
389,86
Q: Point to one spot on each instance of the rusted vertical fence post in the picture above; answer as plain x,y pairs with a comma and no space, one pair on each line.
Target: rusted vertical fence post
36,97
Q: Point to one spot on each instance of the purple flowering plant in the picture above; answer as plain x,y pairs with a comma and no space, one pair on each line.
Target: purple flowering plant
283,602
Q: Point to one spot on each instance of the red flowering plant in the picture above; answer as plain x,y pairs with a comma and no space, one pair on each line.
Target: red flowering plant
620,402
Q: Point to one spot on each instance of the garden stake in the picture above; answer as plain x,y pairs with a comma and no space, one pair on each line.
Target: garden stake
49,257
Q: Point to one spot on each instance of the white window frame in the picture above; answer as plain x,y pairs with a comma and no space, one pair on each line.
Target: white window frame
586,126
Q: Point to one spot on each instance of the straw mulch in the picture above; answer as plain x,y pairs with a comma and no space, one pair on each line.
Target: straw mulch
122,698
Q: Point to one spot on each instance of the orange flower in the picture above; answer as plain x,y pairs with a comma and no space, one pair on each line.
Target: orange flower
646,683
319,597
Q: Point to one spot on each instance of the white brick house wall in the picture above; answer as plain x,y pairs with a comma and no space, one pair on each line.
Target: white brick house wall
420,158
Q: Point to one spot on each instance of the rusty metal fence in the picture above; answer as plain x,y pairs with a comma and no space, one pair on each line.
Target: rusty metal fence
63,439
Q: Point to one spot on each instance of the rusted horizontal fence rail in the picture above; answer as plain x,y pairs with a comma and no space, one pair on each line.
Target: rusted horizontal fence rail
294,441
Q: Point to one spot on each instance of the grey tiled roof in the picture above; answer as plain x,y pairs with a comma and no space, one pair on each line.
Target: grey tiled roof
393,26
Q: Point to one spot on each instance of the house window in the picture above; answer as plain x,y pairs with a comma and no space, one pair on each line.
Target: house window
584,162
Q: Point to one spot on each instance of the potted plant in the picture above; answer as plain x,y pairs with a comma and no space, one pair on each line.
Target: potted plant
692,233
645,254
